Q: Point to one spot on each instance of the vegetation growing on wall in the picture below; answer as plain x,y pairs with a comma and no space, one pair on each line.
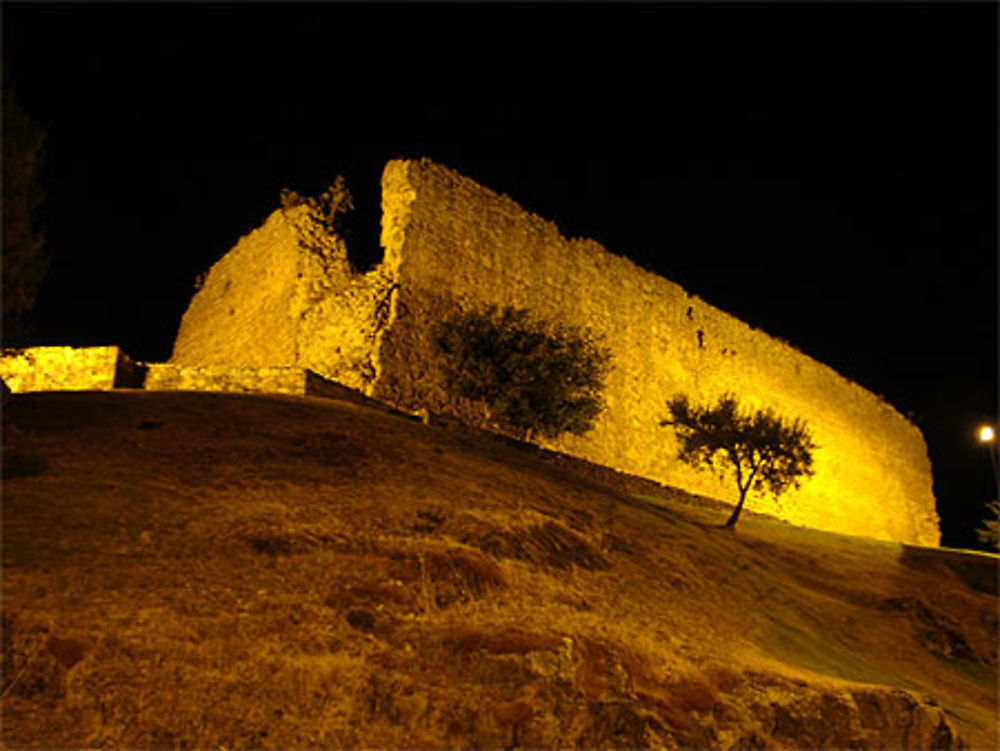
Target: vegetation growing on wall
325,212
445,239
758,449
532,378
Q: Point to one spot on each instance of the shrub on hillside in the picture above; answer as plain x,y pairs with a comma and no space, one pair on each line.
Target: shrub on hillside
531,378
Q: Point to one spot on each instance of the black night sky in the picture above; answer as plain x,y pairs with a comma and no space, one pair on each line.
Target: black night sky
827,173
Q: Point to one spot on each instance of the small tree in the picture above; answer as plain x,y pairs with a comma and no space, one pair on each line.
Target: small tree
528,377
989,533
760,450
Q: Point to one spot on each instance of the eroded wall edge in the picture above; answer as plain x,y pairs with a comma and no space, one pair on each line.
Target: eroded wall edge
286,296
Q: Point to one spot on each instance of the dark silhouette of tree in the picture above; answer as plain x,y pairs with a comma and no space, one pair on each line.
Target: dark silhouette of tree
25,259
758,449
989,533
534,379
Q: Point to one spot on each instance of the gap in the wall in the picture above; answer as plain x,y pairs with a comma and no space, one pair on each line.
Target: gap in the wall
361,228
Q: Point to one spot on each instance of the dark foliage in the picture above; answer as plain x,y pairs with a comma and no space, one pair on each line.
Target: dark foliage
532,378
989,533
324,215
760,450
326,209
25,257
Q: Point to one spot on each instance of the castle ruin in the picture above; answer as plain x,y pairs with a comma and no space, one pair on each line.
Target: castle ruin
286,296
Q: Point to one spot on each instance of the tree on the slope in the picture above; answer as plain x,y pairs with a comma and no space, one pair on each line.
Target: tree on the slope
989,533
532,378
759,450
25,259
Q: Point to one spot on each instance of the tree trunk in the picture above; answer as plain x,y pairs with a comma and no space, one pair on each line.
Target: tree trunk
739,507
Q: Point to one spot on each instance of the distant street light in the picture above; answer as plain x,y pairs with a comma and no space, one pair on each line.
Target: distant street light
988,437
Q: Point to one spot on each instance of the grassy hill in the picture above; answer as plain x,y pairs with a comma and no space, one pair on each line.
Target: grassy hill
236,571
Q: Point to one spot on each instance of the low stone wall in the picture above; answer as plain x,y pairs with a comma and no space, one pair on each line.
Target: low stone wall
274,380
316,385
105,368
68,369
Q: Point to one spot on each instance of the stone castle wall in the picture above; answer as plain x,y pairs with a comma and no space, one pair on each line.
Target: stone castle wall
268,380
67,369
458,241
277,299
249,380
449,241
242,314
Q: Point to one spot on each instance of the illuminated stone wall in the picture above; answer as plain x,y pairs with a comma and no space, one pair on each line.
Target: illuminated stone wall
449,241
67,369
456,240
273,380
266,380
277,299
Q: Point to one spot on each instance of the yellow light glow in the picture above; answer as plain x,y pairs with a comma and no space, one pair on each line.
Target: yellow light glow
986,434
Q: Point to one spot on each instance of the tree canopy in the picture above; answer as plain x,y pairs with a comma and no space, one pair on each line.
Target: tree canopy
532,378
989,533
759,450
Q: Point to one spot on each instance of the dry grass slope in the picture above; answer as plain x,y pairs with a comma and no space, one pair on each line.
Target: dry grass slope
220,570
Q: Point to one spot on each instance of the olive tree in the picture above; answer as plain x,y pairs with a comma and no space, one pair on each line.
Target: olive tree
756,448
536,379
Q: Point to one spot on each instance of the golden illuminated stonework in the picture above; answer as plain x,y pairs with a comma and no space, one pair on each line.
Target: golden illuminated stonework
449,241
